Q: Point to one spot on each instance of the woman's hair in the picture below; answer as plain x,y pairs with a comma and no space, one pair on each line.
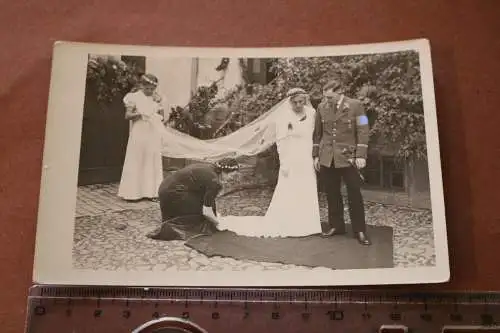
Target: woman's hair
149,79
226,165
295,92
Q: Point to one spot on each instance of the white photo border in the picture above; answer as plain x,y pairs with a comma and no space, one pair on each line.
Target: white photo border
58,192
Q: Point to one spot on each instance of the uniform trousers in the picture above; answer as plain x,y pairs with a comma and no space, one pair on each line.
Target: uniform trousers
331,179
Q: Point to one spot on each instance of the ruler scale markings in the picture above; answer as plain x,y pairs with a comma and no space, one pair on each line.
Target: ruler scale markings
157,297
233,295
306,301
411,305
208,294
184,293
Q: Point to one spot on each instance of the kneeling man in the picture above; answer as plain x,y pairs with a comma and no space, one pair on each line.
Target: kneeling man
187,200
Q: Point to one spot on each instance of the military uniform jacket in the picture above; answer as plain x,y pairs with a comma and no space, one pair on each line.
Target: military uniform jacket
341,132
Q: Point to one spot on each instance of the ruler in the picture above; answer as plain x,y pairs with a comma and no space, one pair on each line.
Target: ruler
219,310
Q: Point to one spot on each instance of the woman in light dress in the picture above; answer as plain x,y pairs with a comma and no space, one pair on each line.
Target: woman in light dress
142,169
294,207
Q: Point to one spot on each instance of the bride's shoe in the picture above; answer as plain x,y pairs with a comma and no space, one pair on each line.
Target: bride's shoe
333,232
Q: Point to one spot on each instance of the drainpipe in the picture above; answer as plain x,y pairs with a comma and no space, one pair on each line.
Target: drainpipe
194,75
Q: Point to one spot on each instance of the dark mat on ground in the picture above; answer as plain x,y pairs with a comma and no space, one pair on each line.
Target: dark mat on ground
337,252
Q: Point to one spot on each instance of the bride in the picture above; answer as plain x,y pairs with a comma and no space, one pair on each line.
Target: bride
294,208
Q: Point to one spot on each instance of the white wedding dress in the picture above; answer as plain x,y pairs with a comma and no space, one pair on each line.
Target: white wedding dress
142,169
294,208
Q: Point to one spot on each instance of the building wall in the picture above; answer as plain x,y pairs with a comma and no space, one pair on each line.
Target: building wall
227,79
178,76
175,79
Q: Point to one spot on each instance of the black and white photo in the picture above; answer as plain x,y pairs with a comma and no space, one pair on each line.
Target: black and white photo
242,167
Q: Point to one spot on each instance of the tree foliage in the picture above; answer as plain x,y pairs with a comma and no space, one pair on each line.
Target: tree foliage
388,85
110,77
190,118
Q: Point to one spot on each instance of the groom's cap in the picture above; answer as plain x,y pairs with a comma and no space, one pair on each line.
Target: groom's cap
332,85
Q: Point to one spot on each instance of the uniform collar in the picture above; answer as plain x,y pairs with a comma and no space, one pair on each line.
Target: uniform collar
337,106
340,102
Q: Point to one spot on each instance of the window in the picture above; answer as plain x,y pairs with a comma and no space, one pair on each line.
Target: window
270,75
384,172
259,70
256,66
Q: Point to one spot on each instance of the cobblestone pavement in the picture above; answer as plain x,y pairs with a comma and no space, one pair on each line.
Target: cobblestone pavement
111,234
99,199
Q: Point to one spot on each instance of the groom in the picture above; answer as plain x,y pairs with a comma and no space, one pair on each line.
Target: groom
340,149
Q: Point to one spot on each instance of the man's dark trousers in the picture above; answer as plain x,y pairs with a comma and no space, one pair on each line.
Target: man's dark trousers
331,178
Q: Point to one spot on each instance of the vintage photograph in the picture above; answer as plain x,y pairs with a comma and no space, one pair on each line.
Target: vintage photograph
193,166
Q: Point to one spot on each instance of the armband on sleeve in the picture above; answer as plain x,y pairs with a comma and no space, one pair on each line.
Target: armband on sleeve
363,134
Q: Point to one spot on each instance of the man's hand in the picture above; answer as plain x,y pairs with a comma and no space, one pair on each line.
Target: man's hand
208,212
316,164
359,163
132,114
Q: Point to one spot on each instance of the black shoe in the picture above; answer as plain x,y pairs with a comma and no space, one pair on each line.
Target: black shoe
362,238
333,232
